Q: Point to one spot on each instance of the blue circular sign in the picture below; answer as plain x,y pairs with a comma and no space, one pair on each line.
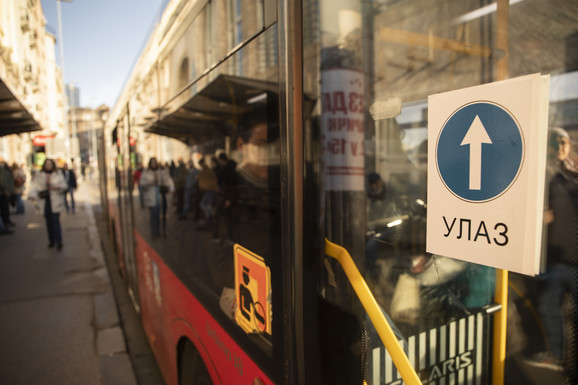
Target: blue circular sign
480,151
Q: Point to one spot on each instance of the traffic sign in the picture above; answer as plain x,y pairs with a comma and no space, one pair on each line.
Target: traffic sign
486,173
479,151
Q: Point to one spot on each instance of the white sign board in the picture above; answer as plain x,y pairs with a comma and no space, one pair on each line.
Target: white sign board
486,173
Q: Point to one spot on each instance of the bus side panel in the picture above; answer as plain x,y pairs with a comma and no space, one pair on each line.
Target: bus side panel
170,312
153,308
115,230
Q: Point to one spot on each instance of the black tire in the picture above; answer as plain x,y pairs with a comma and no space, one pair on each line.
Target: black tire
192,369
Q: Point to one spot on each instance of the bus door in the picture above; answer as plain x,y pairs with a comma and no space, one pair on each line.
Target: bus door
368,69
125,166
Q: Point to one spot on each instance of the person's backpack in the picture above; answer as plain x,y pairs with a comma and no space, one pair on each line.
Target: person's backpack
19,181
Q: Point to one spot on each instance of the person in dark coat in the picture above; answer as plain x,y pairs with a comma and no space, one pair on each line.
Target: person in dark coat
70,178
179,179
19,186
559,282
6,192
227,181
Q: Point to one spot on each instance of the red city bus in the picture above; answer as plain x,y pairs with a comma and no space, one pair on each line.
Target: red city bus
266,183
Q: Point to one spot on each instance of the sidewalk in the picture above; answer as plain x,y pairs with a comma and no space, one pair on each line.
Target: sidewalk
58,317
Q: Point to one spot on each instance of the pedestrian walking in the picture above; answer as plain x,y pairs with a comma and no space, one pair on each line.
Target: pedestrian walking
19,184
192,192
179,179
209,188
6,192
47,192
136,180
228,182
70,178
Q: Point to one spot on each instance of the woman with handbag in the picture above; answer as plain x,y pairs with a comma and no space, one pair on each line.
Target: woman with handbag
47,192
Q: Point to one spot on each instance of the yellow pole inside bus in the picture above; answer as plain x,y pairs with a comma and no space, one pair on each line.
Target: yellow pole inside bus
500,322
501,296
374,312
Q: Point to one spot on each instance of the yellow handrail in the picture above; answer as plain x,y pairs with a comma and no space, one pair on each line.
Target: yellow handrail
374,312
500,322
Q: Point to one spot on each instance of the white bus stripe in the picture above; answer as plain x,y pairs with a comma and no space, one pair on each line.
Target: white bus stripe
462,336
479,348
461,349
443,343
397,375
433,347
422,350
411,352
452,376
388,368
443,348
433,350
376,366
471,326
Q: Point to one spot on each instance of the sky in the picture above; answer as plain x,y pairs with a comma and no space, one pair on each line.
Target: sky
102,41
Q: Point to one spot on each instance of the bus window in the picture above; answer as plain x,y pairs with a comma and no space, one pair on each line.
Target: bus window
371,66
222,197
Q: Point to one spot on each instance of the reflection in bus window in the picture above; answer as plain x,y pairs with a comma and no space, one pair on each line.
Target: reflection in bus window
224,187
217,199
249,212
562,219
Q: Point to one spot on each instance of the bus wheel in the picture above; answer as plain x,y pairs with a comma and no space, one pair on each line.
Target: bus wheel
192,369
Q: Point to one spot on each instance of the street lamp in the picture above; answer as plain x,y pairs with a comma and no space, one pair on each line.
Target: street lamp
103,116
102,112
65,100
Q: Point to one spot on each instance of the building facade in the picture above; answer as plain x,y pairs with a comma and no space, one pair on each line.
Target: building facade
33,109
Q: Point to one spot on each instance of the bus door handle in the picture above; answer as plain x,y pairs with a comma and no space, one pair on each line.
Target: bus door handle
374,312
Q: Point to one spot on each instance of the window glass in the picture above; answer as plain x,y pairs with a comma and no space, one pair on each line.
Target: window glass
244,19
218,201
370,67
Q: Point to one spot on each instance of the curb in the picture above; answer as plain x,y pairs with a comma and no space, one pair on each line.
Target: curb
115,364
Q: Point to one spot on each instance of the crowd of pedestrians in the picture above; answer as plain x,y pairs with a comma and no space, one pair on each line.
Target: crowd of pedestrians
48,190
202,189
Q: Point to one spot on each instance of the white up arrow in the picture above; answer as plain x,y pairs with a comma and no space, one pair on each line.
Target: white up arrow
475,136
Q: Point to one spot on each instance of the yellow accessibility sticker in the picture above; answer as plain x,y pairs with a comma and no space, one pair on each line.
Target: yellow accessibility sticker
252,291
